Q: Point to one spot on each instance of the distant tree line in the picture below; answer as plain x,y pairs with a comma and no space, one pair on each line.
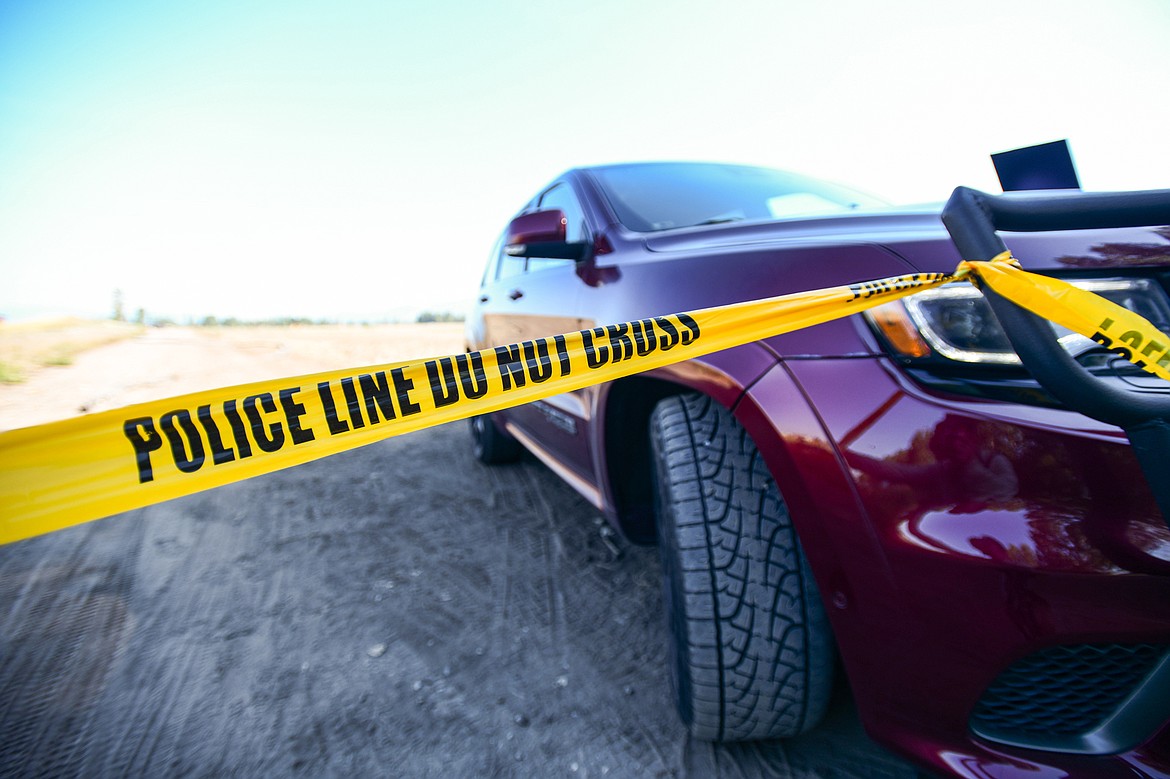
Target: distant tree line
284,321
441,316
141,318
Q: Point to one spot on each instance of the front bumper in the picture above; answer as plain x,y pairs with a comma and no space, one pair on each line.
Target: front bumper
962,546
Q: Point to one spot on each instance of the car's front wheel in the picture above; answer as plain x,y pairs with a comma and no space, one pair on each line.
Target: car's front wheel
752,650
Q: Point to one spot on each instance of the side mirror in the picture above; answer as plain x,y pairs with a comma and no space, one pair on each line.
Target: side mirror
542,234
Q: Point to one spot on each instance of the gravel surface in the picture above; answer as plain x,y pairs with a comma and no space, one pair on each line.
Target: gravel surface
398,610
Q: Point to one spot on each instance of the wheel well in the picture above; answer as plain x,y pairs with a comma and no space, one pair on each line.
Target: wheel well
627,451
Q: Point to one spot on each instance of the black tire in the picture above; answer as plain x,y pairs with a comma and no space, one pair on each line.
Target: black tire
492,445
752,651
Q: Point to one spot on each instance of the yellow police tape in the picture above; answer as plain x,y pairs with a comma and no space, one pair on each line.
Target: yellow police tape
73,471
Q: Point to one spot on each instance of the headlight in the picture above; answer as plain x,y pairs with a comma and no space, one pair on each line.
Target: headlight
955,323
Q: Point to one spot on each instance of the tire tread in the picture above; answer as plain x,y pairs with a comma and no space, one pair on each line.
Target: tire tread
752,641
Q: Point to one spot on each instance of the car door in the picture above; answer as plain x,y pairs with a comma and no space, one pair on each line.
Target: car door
536,297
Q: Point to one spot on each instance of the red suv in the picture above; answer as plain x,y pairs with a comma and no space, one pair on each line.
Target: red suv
894,488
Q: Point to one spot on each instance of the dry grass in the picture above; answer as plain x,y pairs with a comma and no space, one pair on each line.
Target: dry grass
169,361
292,349
27,346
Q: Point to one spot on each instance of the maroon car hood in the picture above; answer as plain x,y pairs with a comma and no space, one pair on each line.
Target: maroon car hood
869,227
918,236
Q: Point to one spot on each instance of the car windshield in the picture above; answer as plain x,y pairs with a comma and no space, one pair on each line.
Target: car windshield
648,197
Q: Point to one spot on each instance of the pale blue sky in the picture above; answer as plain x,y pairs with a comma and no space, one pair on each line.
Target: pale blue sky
356,160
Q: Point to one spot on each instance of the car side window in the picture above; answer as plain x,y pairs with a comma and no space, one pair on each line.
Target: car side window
506,264
489,270
561,196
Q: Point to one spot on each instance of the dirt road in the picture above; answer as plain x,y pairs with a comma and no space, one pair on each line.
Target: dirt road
398,610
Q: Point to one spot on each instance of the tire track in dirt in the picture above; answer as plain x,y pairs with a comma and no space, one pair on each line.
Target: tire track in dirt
553,550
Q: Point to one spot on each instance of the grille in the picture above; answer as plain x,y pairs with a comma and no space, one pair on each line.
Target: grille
1063,691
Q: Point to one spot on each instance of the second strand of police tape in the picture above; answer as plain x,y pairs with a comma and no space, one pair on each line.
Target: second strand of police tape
73,471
